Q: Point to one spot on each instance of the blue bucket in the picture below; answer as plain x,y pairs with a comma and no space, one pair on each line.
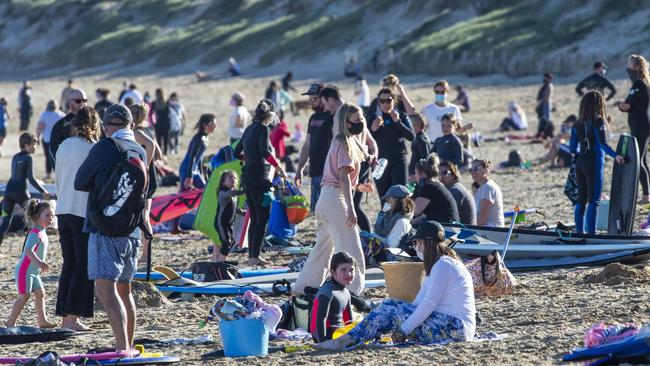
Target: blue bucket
244,337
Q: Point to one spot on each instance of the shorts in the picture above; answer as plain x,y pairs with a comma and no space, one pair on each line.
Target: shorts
112,258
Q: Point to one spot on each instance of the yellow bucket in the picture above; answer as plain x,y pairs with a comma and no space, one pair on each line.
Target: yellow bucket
403,279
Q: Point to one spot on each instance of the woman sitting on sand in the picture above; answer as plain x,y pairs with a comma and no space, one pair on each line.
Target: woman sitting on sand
488,198
516,119
395,219
443,309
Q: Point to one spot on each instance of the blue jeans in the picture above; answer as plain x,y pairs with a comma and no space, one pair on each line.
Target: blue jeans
315,192
390,314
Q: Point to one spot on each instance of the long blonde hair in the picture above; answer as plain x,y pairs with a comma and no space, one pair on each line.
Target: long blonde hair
641,66
352,145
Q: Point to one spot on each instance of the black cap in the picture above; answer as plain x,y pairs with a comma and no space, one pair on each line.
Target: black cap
117,111
599,64
314,89
429,230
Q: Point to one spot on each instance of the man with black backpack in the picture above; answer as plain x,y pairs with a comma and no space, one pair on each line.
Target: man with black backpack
115,175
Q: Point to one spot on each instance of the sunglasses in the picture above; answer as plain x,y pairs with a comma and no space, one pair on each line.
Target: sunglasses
439,92
386,101
476,168
445,173
79,101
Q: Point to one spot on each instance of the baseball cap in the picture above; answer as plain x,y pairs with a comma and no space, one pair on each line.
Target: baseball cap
314,89
599,64
428,230
397,191
117,111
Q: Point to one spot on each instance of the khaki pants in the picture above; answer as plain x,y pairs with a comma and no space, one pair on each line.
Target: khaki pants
334,235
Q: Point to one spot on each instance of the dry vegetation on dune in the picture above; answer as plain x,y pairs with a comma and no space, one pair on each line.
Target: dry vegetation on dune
544,318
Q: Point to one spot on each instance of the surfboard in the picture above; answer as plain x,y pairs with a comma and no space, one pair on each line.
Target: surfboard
625,180
50,187
371,274
217,288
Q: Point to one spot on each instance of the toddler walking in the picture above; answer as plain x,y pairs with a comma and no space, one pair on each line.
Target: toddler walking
226,210
32,262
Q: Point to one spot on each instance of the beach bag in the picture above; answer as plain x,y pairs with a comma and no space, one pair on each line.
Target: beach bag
490,276
296,313
603,333
211,271
279,224
296,204
571,186
116,208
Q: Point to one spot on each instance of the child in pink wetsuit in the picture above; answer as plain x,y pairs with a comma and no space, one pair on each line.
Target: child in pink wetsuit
32,263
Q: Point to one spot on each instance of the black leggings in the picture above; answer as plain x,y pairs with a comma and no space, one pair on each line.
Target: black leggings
259,218
362,219
49,160
162,138
76,291
10,200
395,173
642,142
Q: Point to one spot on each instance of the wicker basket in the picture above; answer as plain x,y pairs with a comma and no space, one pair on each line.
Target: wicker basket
403,279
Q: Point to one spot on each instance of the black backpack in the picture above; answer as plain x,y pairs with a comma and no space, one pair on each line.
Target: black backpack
211,271
117,208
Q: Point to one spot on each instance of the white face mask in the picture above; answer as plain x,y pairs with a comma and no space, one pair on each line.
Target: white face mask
420,255
386,207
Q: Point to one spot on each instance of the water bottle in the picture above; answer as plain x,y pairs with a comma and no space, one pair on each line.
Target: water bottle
379,170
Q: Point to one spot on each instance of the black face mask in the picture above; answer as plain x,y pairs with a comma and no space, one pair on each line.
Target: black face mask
355,128
632,74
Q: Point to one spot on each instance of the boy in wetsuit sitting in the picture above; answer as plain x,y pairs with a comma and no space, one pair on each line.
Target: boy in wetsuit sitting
331,308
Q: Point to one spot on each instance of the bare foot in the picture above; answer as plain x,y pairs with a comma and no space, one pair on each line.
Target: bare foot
46,325
76,326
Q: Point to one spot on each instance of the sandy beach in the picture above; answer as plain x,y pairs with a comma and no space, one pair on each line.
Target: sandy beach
543,319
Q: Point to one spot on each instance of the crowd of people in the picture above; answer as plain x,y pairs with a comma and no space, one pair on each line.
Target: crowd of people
351,150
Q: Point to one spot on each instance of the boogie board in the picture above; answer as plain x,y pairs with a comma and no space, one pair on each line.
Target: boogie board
171,206
208,208
25,334
161,360
77,357
161,275
49,187
625,180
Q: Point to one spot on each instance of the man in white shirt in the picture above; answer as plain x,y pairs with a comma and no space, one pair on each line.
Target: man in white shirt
132,93
433,112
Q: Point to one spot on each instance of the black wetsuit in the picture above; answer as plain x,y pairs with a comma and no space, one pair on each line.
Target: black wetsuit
449,148
637,119
17,190
420,149
61,130
391,144
256,148
225,217
596,82
331,310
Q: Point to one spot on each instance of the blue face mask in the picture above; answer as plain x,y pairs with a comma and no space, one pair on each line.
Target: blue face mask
440,98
